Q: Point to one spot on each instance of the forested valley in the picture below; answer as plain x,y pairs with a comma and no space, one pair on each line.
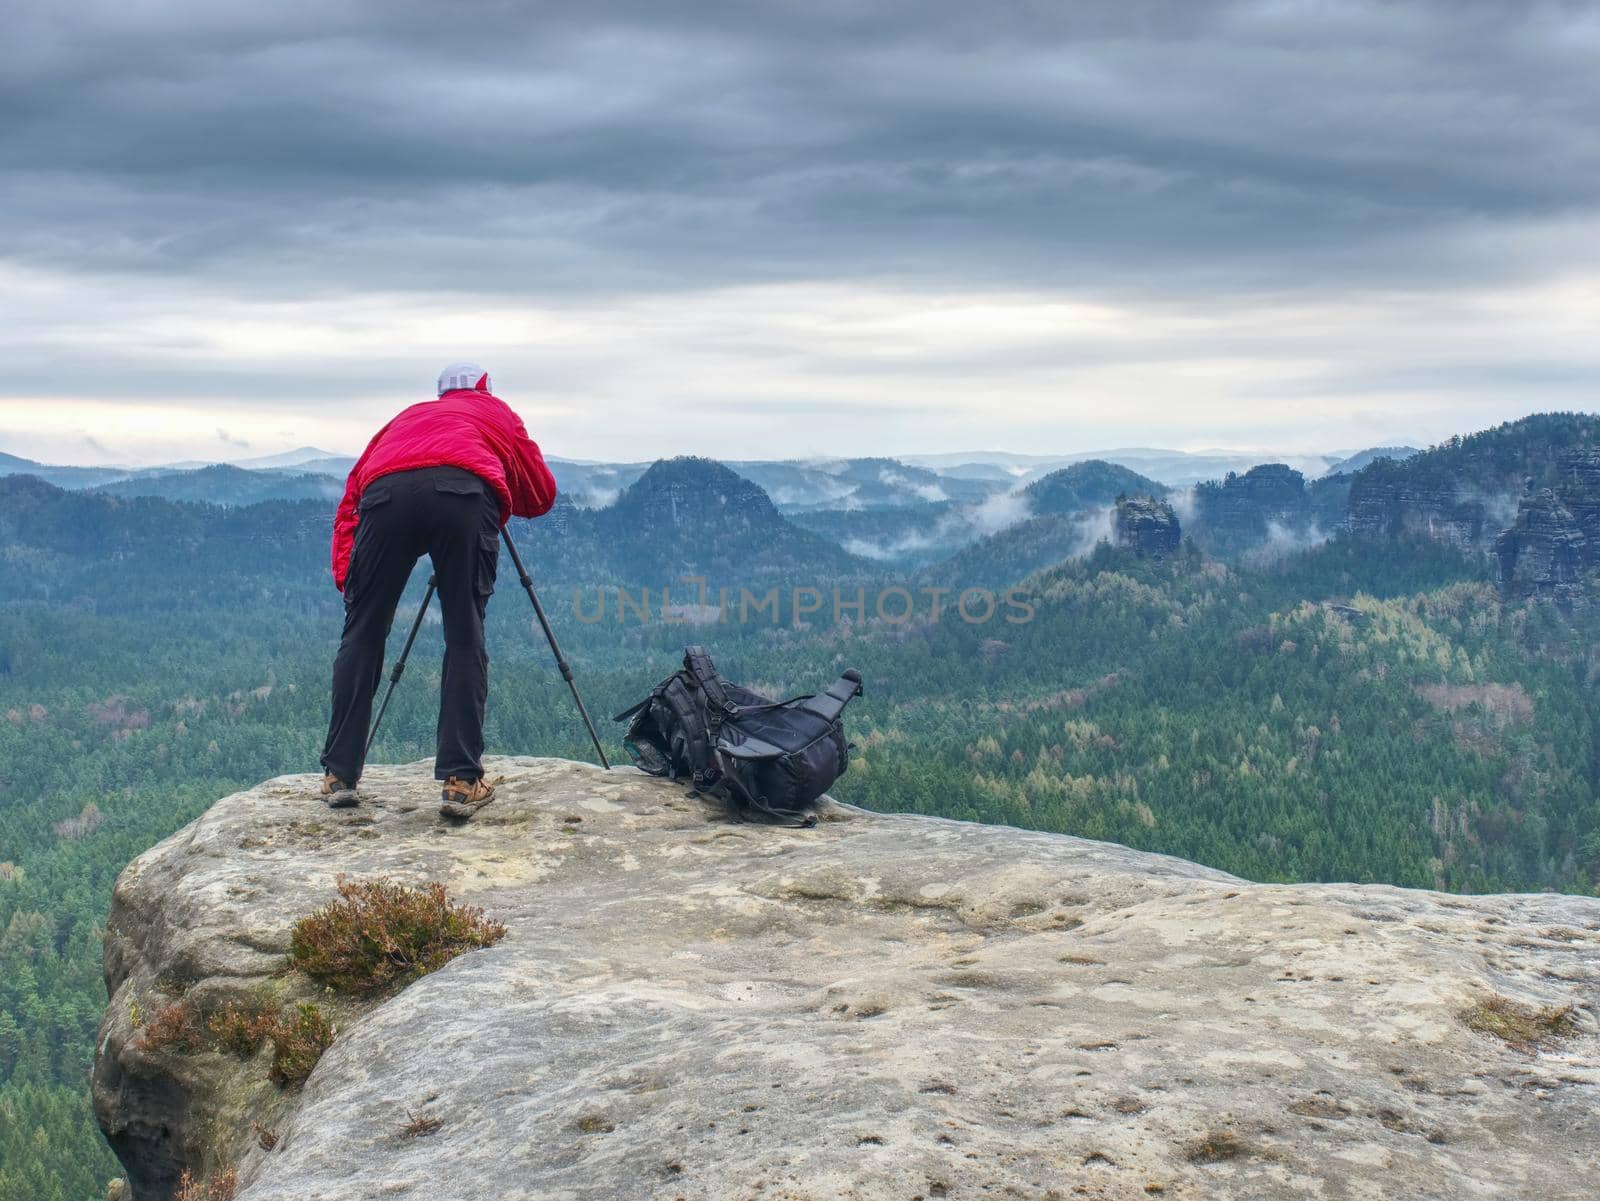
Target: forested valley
1406,692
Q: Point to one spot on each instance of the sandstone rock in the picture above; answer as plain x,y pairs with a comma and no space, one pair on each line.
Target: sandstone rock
1578,483
1238,513
1544,553
1390,504
883,1007
1477,507
1149,527
1553,547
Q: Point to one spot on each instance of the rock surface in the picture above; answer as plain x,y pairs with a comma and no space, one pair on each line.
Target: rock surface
1391,505
1240,512
882,1007
1553,547
1149,527
1535,510
1543,553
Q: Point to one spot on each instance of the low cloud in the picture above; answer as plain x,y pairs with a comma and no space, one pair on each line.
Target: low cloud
893,548
1283,540
596,497
1184,505
950,530
1093,529
1499,508
1000,511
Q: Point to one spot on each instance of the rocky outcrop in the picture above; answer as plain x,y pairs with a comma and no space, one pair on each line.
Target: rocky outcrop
1147,527
1241,512
1469,491
1274,488
1543,553
1552,549
1578,483
882,1007
1389,504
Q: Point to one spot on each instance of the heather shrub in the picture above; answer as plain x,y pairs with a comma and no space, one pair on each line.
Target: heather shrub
379,933
298,1039
171,1026
298,1042
243,1030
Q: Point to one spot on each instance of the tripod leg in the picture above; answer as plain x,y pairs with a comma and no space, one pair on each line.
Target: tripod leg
555,649
400,663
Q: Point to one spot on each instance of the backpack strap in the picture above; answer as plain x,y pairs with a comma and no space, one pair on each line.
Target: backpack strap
750,748
831,703
635,710
697,662
732,777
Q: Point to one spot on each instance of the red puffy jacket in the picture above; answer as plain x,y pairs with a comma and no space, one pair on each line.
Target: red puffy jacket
467,429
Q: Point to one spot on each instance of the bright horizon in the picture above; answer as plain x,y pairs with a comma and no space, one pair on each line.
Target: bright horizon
1265,454
956,457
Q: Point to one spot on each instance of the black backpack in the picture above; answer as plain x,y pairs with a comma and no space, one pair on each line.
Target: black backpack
763,756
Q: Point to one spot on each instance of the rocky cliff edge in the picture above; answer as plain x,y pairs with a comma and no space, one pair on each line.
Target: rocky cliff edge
881,1007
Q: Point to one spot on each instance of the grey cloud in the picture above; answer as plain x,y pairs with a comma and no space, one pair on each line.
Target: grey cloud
576,147
161,161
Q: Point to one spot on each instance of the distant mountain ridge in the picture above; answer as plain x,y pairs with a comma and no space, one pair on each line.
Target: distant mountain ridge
696,516
1354,463
1091,484
61,476
289,458
229,486
683,517
1525,491
1173,468
795,485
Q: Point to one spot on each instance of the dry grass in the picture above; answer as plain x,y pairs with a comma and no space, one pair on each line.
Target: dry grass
1216,1147
380,933
219,1188
1520,1027
420,1124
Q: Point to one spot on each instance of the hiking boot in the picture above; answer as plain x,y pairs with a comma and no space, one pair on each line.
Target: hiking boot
462,798
336,794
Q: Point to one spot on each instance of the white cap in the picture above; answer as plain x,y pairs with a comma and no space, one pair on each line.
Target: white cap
463,375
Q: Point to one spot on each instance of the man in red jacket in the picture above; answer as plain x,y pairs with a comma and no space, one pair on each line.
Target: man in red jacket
440,480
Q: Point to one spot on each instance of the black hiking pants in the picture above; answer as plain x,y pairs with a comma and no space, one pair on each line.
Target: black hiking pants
453,517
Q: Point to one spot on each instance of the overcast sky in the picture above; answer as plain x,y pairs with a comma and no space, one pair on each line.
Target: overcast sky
772,230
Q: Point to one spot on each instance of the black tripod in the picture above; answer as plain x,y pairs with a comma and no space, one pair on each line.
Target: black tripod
400,664
544,624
